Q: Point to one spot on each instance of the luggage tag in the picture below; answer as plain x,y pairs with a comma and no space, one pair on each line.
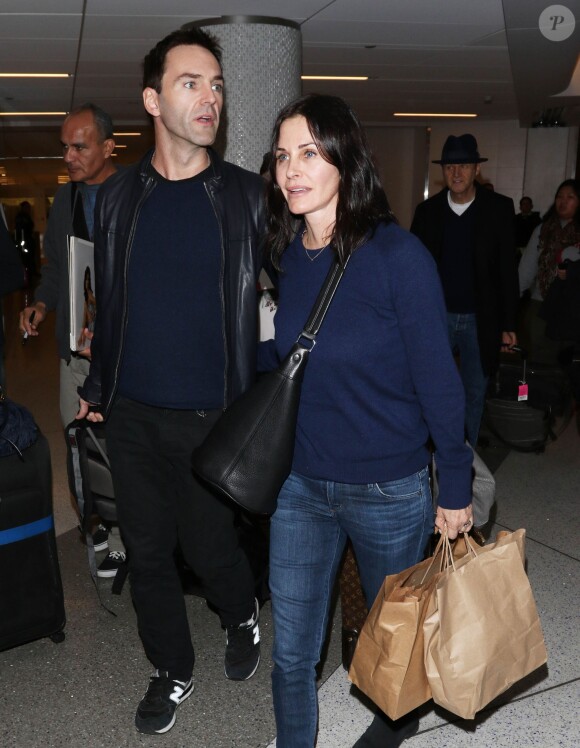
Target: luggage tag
523,387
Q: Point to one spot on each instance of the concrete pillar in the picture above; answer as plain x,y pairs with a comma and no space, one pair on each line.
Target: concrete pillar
262,62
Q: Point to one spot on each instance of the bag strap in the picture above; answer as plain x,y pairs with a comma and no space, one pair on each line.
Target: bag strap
325,296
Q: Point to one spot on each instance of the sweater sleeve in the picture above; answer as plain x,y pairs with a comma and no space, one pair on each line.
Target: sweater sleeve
267,356
419,305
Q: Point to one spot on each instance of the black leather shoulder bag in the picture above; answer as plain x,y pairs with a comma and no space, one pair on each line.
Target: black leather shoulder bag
248,453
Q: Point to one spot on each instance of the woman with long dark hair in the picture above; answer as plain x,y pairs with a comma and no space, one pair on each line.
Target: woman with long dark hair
555,241
380,382
560,230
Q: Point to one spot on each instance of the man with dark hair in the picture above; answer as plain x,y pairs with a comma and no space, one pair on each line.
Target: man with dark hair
470,232
177,257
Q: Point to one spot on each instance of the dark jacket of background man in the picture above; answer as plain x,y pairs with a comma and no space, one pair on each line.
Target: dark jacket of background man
496,281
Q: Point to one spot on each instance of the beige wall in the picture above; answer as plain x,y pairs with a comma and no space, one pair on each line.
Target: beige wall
400,154
550,158
520,161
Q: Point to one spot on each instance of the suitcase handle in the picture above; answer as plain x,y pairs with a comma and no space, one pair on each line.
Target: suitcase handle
524,356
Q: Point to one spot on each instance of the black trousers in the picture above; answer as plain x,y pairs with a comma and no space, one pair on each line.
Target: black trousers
159,502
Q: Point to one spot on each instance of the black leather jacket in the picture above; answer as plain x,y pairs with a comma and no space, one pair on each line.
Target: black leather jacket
237,199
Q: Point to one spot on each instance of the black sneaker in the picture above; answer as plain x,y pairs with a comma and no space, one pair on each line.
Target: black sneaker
101,538
111,564
243,648
156,710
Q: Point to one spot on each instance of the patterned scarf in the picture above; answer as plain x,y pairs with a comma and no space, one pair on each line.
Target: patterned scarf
553,239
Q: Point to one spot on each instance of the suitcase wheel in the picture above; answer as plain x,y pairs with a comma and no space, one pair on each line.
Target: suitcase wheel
58,637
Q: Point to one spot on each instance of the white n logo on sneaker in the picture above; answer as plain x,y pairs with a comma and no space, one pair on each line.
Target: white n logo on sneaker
177,693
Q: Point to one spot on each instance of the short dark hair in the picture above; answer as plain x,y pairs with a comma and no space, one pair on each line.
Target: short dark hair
103,121
154,62
341,140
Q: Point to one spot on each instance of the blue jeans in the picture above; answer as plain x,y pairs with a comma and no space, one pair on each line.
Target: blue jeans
463,338
389,525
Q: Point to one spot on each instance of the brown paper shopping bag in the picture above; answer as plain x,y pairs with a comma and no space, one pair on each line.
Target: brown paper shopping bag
388,661
481,630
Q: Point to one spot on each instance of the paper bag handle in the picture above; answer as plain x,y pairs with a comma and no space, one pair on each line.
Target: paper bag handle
444,547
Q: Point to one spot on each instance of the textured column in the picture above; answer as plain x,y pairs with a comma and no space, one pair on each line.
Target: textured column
262,61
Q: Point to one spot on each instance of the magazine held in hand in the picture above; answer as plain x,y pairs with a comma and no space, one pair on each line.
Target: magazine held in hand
83,306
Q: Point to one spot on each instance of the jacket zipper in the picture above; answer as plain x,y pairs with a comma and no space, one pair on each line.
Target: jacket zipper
149,186
222,295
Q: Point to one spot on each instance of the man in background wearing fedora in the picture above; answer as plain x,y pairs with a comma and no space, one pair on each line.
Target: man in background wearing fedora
470,232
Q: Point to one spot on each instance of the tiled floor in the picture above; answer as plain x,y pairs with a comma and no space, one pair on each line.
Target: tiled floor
83,692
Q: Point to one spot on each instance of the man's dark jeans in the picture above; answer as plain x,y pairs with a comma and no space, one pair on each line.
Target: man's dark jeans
159,503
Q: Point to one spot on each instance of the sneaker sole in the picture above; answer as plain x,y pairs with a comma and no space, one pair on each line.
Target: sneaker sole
107,574
101,546
186,695
245,677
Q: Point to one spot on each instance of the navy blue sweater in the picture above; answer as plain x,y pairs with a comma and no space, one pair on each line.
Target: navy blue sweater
457,267
381,377
174,353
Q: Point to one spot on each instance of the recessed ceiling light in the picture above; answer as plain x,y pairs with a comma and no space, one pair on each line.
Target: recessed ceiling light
334,77
32,114
430,114
35,75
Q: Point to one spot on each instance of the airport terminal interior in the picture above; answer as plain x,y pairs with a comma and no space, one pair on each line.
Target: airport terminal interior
83,692
420,64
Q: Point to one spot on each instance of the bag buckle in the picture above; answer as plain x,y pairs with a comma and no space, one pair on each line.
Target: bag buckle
306,340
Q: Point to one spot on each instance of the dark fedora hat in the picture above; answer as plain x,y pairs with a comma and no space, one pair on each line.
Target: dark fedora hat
460,149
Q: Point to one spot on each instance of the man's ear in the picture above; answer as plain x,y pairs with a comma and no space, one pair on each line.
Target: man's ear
109,145
151,101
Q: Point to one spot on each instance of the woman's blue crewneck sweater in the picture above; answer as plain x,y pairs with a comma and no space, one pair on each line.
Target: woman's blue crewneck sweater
381,377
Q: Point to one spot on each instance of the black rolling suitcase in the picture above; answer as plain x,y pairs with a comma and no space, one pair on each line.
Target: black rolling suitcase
518,425
31,596
91,484
528,405
549,387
